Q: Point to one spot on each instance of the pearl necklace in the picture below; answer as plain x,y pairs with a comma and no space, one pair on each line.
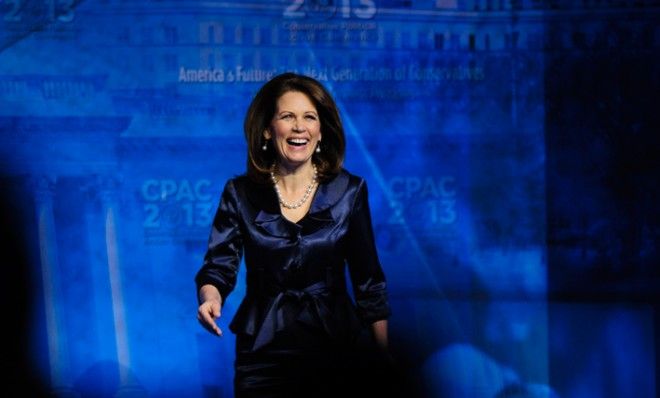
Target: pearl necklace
299,203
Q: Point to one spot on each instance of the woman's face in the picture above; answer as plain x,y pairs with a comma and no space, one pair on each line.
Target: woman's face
295,130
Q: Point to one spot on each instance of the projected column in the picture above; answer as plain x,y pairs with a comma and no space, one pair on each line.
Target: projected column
58,358
109,208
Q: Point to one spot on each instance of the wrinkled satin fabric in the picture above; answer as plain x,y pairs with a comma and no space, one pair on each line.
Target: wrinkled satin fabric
295,271
297,268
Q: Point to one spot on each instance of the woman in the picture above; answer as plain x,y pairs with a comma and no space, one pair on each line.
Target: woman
299,219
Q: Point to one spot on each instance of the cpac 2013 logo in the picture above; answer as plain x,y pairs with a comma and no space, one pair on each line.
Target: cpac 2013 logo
173,204
53,10
320,9
428,198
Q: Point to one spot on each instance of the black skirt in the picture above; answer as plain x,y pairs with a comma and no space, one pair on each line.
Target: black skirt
304,363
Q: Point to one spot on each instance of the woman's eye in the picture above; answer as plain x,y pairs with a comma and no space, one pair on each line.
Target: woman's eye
310,117
286,117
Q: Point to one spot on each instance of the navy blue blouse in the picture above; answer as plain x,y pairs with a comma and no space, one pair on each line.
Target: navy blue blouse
296,271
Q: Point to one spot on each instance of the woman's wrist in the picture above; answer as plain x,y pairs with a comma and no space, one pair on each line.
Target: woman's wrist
209,292
379,331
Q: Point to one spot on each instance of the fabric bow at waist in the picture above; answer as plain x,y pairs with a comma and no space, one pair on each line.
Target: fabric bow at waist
313,311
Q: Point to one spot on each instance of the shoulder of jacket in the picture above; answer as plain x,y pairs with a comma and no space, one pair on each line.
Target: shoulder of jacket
235,185
239,181
354,180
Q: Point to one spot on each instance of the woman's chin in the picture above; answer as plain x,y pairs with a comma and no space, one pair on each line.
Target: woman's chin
296,159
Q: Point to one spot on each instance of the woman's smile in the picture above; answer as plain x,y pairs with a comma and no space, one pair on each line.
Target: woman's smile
295,129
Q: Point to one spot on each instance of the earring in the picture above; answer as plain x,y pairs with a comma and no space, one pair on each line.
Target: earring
318,147
265,147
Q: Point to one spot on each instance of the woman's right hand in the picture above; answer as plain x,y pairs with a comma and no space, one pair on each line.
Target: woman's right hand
209,309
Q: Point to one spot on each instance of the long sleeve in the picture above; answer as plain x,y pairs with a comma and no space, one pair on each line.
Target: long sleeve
225,246
367,277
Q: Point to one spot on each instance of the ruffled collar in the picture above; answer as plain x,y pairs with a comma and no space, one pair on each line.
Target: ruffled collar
264,198
270,218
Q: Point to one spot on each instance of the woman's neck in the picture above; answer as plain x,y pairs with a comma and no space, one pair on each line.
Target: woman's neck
295,178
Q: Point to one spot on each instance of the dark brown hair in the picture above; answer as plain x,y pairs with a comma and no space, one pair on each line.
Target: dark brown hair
262,109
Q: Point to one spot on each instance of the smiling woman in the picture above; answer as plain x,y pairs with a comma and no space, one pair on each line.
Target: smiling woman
295,132
295,129
290,89
301,220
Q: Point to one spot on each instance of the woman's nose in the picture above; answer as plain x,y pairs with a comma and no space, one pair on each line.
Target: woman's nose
298,126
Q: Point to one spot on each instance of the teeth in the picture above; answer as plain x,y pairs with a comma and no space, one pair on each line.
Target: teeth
298,140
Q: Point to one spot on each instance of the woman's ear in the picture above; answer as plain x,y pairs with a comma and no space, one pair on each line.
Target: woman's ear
267,134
